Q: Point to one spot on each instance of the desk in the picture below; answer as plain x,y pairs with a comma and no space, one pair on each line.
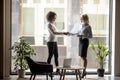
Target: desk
75,68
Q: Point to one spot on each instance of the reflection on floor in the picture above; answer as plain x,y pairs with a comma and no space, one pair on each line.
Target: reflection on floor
67,77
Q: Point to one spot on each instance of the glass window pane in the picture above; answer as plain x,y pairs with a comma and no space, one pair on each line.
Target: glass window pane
96,1
61,1
30,39
48,1
85,1
24,1
28,21
37,1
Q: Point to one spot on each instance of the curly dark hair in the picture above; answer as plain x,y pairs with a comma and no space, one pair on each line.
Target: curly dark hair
50,16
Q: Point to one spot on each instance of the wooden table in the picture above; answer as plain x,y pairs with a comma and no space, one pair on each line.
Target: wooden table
75,68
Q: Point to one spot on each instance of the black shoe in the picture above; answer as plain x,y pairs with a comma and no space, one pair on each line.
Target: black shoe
51,75
58,71
83,75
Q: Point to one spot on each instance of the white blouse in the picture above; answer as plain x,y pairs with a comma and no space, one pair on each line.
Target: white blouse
51,30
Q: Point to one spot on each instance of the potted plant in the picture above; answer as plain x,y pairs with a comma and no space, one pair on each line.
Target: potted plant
101,54
21,49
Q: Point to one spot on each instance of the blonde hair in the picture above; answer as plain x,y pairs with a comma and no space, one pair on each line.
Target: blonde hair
85,18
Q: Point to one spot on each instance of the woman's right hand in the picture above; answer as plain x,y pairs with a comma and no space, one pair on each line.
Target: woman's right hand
79,35
65,33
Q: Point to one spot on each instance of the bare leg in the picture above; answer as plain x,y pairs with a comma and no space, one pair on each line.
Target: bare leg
84,59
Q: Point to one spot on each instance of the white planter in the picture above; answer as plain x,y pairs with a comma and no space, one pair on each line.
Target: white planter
21,73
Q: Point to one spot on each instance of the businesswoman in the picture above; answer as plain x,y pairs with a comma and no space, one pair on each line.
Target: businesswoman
52,39
85,34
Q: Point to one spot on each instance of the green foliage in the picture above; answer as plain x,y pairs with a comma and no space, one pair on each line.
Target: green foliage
101,53
21,49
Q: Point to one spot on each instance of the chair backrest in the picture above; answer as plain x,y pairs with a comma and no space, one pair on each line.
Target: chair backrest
31,64
38,67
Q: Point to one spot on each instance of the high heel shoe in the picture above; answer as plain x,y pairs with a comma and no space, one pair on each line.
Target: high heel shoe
51,75
83,74
58,71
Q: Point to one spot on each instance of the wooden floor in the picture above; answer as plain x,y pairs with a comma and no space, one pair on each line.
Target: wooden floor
67,77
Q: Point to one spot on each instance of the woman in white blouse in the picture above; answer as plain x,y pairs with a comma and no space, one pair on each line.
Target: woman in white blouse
84,34
52,40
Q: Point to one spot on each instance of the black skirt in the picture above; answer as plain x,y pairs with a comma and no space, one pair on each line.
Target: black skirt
83,47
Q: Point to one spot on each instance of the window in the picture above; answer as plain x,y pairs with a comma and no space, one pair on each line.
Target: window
37,1
96,2
85,1
24,1
29,21
33,19
99,19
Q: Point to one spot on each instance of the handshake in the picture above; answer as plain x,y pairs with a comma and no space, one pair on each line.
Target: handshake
68,33
65,33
